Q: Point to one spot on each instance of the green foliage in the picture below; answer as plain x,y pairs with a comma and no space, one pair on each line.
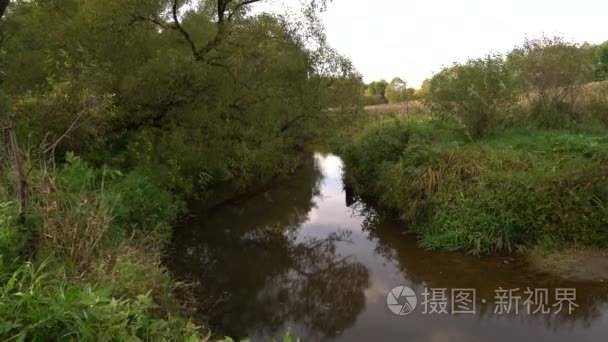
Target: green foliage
546,245
545,83
373,100
134,211
552,73
493,195
377,88
104,228
37,302
381,143
133,269
12,237
87,211
287,338
518,197
424,91
397,91
475,92
211,114
375,93
162,104
601,61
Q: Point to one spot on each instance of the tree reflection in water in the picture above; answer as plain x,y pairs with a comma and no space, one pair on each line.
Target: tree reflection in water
277,261
249,261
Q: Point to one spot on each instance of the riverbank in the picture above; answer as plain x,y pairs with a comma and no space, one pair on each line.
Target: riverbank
512,191
325,262
87,261
582,264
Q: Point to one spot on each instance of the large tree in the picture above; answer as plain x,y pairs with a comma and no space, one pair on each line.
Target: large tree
205,95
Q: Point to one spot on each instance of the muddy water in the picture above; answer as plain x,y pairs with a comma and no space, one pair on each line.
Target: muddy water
306,256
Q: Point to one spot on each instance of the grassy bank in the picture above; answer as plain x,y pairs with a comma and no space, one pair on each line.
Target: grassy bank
94,241
85,262
514,189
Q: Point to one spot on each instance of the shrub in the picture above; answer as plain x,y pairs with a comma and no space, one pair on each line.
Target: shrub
552,74
134,211
475,92
85,210
380,143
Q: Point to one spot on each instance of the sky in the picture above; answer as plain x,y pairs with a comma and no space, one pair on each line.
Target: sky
413,39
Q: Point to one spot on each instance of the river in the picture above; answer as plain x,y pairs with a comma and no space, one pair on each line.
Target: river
306,256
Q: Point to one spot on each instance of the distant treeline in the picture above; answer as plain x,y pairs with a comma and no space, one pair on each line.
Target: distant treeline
381,92
547,82
589,62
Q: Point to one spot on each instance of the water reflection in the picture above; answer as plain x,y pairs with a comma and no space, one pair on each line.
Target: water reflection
263,275
307,257
422,269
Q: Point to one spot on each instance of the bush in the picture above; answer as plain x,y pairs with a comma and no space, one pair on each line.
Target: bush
134,211
595,104
85,210
378,144
552,74
544,84
476,92
107,227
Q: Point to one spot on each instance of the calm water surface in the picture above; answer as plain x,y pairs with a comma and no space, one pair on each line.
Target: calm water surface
308,257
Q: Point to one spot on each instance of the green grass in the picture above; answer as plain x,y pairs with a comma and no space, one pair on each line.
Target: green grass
97,274
40,301
12,237
508,191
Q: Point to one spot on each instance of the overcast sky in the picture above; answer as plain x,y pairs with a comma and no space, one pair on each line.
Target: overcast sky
413,39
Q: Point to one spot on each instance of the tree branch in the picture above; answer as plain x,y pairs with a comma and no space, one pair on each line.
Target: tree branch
240,5
178,26
222,9
156,22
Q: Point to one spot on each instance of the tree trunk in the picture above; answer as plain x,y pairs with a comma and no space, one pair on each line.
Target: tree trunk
3,5
19,171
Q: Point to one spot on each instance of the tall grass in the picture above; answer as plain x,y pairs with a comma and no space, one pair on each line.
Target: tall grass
74,224
40,302
102,234
502,193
